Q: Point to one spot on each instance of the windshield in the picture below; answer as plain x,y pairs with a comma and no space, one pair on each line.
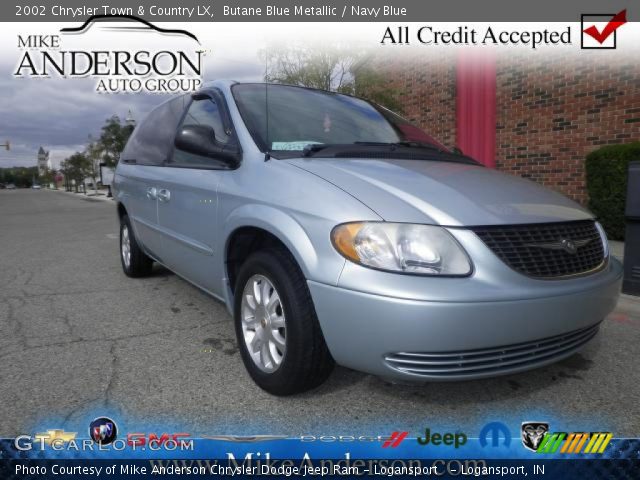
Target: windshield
299,117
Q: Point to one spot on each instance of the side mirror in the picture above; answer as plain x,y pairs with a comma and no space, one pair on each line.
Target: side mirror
201,140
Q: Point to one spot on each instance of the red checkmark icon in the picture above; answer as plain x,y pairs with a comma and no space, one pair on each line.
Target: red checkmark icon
616,22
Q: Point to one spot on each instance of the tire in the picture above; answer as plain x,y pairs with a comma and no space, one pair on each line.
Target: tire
305,362
139,264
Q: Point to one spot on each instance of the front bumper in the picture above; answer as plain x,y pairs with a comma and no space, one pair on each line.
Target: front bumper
413,339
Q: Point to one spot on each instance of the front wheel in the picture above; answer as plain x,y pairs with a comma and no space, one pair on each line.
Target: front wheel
278,333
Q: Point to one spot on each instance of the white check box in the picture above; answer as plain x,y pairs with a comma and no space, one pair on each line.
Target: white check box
597,24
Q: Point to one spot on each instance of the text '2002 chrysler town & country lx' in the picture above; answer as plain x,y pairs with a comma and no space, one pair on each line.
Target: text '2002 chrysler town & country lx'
337,232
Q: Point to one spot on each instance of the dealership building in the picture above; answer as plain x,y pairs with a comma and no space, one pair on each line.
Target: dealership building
533,115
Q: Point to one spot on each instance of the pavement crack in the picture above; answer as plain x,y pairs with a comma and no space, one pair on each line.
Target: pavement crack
13,321
113,376
103,340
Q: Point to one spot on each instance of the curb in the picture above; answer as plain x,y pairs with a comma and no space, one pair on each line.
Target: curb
82,196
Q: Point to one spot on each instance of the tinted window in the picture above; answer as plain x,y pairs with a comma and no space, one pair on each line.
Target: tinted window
152,140
206,112
202,112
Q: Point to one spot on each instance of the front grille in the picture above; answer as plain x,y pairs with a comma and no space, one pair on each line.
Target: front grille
491,361
537,250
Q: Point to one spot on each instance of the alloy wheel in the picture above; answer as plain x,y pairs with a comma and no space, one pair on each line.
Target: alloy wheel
263,323
125,246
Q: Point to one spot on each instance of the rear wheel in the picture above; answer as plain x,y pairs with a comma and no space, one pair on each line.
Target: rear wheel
278,333
135,263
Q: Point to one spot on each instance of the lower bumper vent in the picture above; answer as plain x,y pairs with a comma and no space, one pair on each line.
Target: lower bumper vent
491,361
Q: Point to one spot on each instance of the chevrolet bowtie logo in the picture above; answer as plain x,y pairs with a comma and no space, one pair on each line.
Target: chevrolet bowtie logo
569,246
53,435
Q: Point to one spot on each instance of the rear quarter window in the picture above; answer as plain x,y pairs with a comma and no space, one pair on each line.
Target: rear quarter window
151,142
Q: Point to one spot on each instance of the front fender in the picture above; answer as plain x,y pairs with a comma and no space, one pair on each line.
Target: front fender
309,244
279,224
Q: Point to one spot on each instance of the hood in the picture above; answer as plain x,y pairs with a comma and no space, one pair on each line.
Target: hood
444,193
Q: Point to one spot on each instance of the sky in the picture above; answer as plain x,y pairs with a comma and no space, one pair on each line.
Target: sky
59,114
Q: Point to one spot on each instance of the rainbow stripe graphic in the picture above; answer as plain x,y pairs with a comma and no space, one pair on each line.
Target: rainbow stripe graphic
595,442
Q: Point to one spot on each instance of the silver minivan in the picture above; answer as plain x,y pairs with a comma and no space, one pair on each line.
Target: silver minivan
337,232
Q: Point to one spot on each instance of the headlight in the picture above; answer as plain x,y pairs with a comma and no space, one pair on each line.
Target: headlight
402,247
603,237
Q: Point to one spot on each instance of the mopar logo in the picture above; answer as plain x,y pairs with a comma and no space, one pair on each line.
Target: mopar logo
497,433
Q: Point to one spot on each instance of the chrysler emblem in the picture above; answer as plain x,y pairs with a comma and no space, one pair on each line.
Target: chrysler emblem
569,246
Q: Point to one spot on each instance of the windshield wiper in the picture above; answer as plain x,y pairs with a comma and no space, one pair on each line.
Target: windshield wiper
313,148
407,144
415,144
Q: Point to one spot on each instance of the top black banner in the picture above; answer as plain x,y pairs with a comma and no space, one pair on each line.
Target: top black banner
315,10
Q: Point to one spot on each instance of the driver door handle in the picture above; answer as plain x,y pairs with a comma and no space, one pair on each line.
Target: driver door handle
164,195
152,193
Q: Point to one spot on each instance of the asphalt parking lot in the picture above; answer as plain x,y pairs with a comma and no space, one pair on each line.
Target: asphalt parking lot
79,339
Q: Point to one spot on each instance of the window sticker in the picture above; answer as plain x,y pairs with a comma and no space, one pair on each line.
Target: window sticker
298,145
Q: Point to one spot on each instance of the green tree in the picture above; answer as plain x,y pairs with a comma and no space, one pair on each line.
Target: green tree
20,176
47,177
94,155
65,173
78,167
113,138
335,68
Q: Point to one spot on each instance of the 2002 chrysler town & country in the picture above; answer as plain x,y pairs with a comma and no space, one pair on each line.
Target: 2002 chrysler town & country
335,231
